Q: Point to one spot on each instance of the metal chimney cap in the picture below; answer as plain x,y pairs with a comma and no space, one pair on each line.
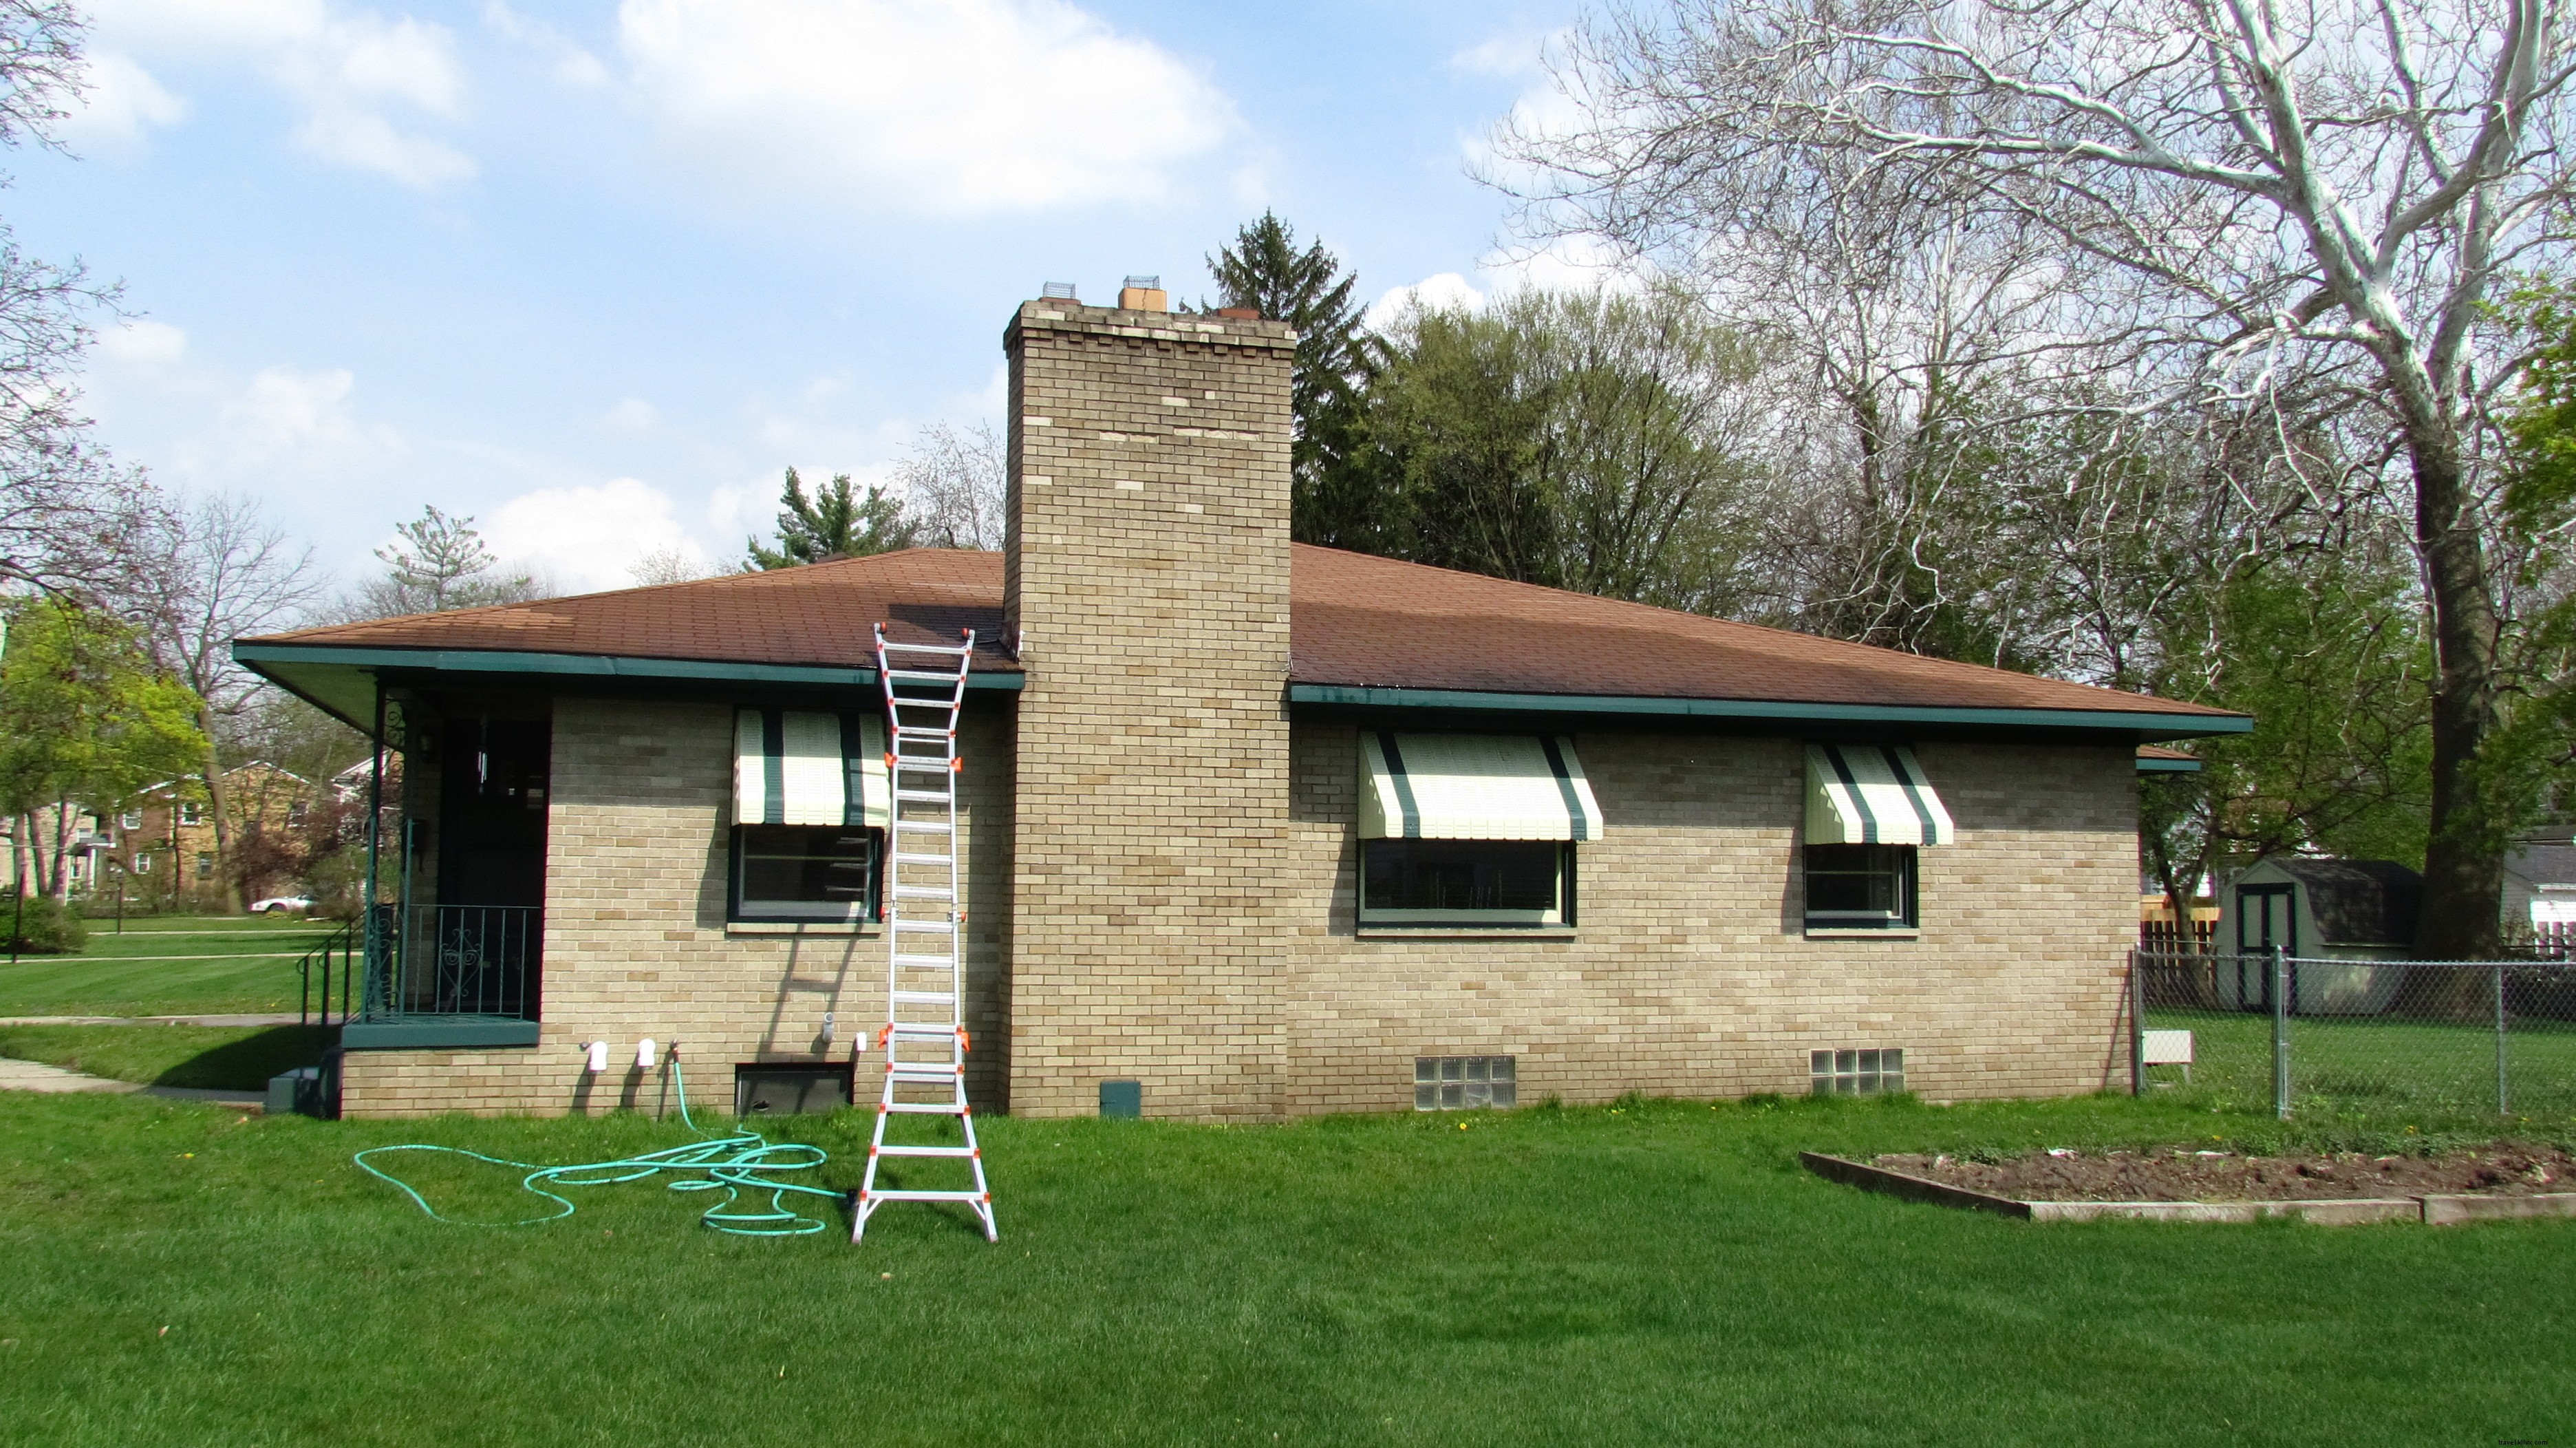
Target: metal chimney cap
1148,283
1059,292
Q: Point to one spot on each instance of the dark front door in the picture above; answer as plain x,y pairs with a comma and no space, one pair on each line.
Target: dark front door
2266,920
483,932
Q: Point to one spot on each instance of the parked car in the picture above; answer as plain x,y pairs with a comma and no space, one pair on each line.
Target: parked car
275,903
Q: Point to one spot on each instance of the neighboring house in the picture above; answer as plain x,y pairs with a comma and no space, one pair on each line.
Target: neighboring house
166,834
2540,888
1268,829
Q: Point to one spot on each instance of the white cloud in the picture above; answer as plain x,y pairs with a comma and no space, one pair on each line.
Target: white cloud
143,343
1517,53
369,142
946,106
346,68
574,65
123,102
588,538
632,415
1445,291
283,410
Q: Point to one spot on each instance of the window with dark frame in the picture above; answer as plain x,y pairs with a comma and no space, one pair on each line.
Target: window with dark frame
1860,887
1513,884
810,873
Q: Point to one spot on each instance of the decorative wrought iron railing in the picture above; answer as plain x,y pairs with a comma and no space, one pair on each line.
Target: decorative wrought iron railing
454,960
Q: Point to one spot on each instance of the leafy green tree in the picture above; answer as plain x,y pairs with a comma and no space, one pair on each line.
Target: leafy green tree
834,523
1311,292
85,718
1592,442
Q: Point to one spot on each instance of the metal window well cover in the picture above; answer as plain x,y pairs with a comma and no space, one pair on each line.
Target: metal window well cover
1872,794
1474,787
799,767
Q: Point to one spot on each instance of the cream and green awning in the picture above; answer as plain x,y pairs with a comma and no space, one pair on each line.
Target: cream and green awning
1474,787
797,767
1872,794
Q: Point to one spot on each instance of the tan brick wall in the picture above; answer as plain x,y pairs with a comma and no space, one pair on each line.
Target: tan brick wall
1148,564
1689,973
638,823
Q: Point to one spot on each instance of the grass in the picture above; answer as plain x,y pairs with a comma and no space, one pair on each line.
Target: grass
243,964
216,1058
2376,1066
1651,1273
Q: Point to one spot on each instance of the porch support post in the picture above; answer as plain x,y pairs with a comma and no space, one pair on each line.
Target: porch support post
378,987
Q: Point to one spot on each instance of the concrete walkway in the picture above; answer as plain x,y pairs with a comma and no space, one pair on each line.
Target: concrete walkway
17,1075
246,1020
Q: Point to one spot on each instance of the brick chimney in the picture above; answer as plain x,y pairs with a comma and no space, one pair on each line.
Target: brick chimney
1146,571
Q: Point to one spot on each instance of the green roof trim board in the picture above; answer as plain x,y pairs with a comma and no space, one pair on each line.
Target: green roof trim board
2141,722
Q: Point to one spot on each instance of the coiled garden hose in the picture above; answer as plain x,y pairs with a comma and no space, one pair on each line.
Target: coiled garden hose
731,1164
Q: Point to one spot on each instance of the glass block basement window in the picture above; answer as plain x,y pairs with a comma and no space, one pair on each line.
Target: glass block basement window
1856,1073
1464,1083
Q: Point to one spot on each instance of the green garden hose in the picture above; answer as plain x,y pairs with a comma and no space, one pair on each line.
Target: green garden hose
730,1164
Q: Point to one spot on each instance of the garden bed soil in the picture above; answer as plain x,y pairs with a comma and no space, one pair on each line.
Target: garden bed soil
2182,1174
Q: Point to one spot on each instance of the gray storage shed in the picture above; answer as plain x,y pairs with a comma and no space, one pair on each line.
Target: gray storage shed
2319,909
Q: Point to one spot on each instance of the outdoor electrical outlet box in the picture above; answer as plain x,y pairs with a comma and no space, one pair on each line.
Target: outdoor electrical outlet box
1122,1099
790,1090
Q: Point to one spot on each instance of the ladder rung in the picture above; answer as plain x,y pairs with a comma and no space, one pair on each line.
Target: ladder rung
922,1108
923,796
885,1195
915,958
949,676
916,857
922,998
890,1149
934,826
922,1073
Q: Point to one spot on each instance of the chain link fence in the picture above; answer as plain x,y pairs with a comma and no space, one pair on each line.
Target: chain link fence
2421,1038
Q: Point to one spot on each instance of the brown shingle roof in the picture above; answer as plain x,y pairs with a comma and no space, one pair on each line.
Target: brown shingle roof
1356,621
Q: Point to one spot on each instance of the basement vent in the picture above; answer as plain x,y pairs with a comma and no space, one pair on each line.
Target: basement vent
1464,1083
791,1090
1856,1073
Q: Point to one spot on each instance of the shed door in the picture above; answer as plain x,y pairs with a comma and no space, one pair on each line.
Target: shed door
2265,920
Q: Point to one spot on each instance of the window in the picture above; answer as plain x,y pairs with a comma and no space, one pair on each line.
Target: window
804,872
132,819
1860,887
1506,883
143,864
1464,1083
205,866
295,811
1856,1073
190,812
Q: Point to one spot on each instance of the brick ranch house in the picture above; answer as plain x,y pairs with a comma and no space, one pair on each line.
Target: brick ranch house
1266,828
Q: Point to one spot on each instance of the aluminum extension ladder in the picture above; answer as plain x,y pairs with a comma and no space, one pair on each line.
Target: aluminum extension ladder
924,1038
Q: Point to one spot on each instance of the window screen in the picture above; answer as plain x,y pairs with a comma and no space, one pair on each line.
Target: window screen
1465,882
1860,886
804,872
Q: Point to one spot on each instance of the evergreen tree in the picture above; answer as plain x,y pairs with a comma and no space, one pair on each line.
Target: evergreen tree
439,563
834,523
1308,290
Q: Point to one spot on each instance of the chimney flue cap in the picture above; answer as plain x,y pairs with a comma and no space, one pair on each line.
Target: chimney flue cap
1060,292
1144,294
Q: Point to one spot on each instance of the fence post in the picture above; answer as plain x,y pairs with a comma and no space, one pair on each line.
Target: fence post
2501,1107
2137,1022
2280,1031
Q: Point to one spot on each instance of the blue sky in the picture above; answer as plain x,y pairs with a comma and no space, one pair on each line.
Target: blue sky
595,273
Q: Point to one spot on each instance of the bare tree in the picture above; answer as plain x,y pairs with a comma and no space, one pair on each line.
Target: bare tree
2253,188
952,486
203,574
666,565
66,512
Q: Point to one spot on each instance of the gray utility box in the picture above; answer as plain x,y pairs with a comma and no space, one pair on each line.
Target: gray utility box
296,1092
791,1090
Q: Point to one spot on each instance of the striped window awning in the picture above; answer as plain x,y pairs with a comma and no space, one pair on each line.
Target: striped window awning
1474,787
1872,794
796,767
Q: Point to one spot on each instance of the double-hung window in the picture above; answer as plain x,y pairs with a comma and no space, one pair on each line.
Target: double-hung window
810,798
1870,812
1470,831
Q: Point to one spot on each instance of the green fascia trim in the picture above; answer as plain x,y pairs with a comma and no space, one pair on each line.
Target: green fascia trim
2167,726
432,1033
579,666
2168,766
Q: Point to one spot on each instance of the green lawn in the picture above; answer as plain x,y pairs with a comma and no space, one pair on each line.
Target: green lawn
217,1058
1658,1273
2375,1066
167,965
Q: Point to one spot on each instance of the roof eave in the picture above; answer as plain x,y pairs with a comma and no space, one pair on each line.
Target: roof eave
2144,726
